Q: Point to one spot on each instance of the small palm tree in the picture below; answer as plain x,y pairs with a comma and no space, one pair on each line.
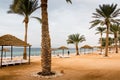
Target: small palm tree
25,8
104,16
100,31
115,28
75,39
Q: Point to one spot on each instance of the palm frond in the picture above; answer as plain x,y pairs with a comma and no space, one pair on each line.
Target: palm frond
117,21
24,7
116,13
37,18
34,5
96,15
69,1
94,23
97,32
100,12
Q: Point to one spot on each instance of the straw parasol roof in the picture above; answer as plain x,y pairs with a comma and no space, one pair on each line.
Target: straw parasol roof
9,40
87,47
63,48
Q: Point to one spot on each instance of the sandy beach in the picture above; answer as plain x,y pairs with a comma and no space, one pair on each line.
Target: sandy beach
83,67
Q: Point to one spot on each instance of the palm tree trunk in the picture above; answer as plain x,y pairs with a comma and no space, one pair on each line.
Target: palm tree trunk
77,51
116,46
25,38
119,44
101,42
46,45
107,41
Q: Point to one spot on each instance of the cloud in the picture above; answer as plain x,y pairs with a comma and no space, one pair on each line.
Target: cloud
64,19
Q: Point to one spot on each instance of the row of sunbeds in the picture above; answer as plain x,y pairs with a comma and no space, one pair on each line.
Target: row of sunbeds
7,62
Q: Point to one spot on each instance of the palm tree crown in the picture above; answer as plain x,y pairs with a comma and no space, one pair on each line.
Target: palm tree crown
24,7
115,28
100,30
105,14
75,39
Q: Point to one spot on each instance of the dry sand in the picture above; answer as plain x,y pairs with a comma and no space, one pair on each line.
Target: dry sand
83,67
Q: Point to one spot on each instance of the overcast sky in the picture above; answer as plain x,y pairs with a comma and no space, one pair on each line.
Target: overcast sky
64,19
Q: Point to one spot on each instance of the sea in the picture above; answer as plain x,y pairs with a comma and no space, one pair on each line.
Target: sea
37,51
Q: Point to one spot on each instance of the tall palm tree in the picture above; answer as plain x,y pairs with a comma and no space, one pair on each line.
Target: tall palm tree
115,28
100,31
104,16
25,8
75,39
46,43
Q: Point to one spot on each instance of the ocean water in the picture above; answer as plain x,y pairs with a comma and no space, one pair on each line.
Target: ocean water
37,51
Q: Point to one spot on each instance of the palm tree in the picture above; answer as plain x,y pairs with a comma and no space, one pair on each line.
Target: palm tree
114,28
25,8
104,16
75,39
46,43
111,41
100,31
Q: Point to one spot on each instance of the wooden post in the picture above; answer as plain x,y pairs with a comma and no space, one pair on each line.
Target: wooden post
1,55
11,52
29,53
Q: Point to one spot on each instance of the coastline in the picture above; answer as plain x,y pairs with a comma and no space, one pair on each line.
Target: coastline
37,52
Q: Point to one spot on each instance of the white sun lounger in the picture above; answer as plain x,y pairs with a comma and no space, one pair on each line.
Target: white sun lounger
13,62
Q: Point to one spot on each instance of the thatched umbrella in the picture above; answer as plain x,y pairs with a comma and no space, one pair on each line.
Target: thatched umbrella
87,47
9,40
63,48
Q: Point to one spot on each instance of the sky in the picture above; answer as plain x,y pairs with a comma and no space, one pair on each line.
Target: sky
64,19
